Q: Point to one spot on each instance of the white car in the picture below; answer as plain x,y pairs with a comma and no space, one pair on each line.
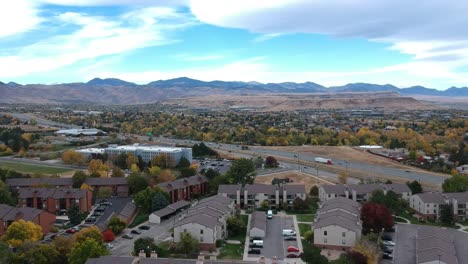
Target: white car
109,246
389,243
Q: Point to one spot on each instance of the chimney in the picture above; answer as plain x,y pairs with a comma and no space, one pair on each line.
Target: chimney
213,257
142,254
154,255
201,257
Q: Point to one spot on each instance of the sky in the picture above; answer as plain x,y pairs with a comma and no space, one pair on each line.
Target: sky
330,42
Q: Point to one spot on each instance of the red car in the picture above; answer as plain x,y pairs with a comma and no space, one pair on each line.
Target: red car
293,255
70,231
293,249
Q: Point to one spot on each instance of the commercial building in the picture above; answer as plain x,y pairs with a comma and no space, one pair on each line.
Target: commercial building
55,200
337,225
362,192
9,214
147,153
79,132
206,221
186,188
252,195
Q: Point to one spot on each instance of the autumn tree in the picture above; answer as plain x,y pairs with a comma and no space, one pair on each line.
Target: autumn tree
116,225
104,192
343,177
88,233
63,245
166,175
72,157
37,253
83,250
314,191
271,162
375,217
20,231
131,159
117,172
108,236
96,167
300,205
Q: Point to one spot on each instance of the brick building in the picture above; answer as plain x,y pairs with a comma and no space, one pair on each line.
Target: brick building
55,200
186,188
9,214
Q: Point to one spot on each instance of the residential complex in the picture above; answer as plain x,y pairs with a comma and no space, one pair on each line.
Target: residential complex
55,200
251,196
147,153
257,224
186,188
337,224
427,205
9,214
206,220
361,192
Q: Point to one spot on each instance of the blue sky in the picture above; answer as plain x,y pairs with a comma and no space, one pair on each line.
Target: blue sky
331,42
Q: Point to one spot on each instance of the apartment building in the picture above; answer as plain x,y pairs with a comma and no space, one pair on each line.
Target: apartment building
9,214
427,205
186,188
55,200
362,192
327,192
252,195
206,221
337,225
459,202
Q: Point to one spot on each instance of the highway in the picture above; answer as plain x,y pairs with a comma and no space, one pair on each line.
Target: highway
39,121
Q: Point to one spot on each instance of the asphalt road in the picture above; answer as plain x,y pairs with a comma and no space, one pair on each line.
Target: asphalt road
47,163
40,121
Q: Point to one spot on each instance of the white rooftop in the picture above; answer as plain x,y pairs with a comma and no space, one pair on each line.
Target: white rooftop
145,148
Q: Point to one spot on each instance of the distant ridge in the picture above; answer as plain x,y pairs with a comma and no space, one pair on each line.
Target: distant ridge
117,91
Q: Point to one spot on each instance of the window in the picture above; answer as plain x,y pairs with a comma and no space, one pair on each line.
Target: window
325,240
343,242
201,231
325,232
185,230
201,239
343,234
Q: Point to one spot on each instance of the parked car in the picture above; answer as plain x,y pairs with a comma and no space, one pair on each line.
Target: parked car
255,246
293,249
70,231
293,255
127,236
290,238
90,220
106,203
387,238
387,256
144,227
109,246
254,251
288,232
76,228
96,214
387,250
388,243
136,232
255,238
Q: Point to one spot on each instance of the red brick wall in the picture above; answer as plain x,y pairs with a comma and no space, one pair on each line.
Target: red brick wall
46,220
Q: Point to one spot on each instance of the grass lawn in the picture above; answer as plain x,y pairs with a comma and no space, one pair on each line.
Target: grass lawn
30,168
304,228
241,236
229,251
139,218
305,217
466,229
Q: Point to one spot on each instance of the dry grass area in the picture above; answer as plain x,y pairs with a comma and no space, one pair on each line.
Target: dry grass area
297,177
347,153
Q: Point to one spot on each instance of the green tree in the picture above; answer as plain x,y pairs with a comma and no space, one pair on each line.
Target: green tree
5,253
183,163
161,161
235,225
446,215
187,172
117,172
37,253
265,205
314,191
309,236
5,195
78,178
136,183
312,255
84,250
389,200
241,171
300,205
211,174
456,183
187,244
271,162
415,187
116,225
74,214
159,201
147,244
104,192
121,161
144,199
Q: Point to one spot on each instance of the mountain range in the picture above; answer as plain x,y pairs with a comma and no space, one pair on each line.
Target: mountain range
116,91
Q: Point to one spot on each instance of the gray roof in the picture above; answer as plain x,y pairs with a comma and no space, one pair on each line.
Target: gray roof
56,193
25,182
9,213
340,200
461,197
258,220
106,181
163,212
183,182
434,245
215,205
229,188
339,206
110,260
397,188
365,188
338,221
218,199
189,261
431,197
201,219
337,189
294,188
206,210
261,188
338,213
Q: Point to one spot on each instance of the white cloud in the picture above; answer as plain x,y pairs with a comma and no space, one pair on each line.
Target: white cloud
114,2
17,16
433,32
207,57
96,37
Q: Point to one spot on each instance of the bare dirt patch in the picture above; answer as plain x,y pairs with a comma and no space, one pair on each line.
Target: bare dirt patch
298,178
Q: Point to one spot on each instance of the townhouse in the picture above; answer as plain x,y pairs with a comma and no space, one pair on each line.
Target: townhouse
337,225
118,185
55,200
186,188
206,221
9,214
427,205
251,196
362,192
257,224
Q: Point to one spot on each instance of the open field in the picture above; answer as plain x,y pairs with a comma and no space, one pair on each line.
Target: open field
30,168
298,178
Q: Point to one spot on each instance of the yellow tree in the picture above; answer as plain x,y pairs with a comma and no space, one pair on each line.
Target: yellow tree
72,157
96,166
165,176
131,159
88,233
20,231
343,177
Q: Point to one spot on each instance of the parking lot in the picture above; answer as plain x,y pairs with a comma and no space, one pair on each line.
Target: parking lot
220,166
274,244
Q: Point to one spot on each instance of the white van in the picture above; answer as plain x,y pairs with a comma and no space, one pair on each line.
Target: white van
288,232
270,214
257,242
